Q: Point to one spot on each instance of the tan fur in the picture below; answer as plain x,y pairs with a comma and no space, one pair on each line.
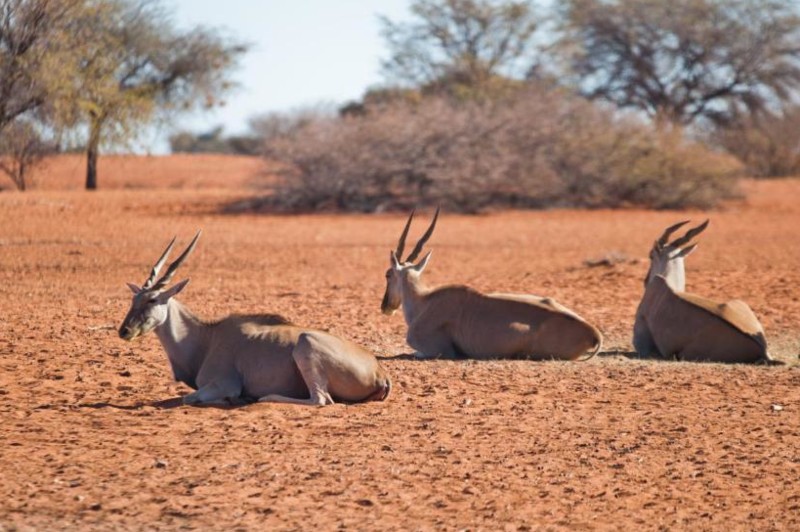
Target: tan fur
689,327
261,356
673,323
458,321
455,321
735,312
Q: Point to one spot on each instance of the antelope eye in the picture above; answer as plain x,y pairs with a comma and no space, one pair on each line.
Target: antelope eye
152,301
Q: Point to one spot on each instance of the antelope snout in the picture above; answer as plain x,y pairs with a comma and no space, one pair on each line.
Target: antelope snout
386,306
125,333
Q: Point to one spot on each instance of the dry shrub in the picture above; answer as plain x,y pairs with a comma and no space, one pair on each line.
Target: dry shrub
22,148
768,144
541,149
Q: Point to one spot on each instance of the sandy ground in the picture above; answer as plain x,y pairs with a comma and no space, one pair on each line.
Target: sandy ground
92,434
181,171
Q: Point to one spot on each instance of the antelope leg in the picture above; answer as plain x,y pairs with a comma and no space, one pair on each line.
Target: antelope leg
314,400
430,343
309,354
215,392
642,339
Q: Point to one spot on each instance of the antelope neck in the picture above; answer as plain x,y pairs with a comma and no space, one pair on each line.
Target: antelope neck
676,275
413,293
183,337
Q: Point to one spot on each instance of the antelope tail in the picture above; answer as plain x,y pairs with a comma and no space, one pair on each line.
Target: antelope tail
597,347
382,393
765,359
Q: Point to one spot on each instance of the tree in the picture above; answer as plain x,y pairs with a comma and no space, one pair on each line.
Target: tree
214,141
458,46
136,64
684,60
37,51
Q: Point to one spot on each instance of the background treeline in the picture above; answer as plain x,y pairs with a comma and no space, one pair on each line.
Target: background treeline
594,103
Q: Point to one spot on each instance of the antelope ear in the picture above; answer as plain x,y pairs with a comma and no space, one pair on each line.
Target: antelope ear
685,252
135,289
164,296
393,260
421,265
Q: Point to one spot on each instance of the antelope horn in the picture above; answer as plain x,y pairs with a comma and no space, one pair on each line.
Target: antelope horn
159,263
662,240
402,243
690,234
167,277
415,252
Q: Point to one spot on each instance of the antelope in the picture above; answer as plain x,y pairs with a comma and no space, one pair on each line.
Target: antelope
262,356
458,321
671,322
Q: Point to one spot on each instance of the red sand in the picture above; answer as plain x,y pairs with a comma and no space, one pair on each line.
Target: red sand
93,437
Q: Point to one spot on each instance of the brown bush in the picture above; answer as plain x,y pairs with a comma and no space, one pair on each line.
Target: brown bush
22,148
768,143
543,148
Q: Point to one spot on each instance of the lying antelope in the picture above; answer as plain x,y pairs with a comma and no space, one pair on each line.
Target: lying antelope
262,356
457,321
673,323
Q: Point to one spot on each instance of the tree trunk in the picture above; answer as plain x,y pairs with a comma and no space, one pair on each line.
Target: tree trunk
21,177
92,152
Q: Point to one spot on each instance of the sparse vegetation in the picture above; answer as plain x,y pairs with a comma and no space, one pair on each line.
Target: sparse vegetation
768,143
487,102
472,120
136,63
22,148
214,141
544,148
104,69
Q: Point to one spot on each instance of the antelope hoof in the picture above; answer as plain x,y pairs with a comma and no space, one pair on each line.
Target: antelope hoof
191,399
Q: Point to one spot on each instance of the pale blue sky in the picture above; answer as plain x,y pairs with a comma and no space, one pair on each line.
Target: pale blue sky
304,52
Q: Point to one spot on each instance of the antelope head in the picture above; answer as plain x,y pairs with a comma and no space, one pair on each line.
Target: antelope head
399,270
666,258
149,305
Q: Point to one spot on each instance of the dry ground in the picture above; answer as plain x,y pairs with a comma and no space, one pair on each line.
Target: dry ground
92,435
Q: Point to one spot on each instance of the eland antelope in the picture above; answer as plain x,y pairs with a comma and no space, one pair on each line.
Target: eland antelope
261,356
673,323
457,321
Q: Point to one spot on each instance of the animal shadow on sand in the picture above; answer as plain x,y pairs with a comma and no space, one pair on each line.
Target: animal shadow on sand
169,404
609,353
633,355
413,357
625,353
